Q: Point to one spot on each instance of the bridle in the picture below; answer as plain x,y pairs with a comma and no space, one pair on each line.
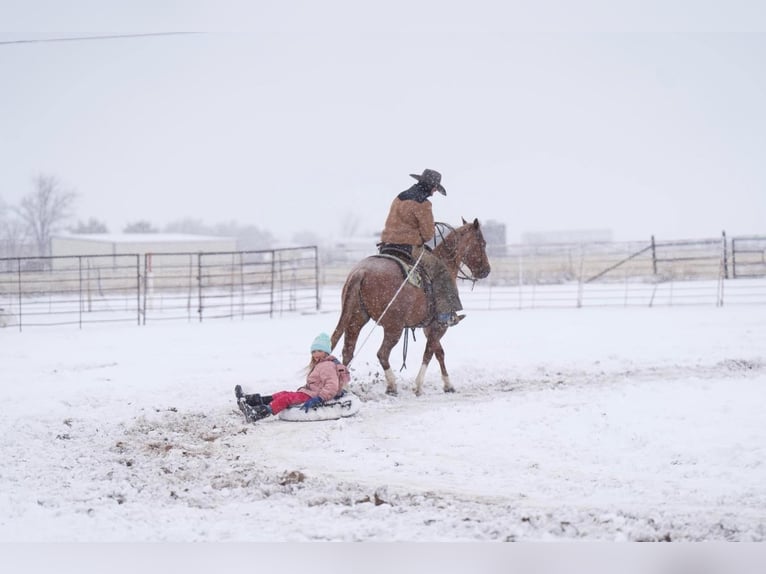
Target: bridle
441,231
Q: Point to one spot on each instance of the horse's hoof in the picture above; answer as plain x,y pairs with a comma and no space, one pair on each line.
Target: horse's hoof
450,390
391,393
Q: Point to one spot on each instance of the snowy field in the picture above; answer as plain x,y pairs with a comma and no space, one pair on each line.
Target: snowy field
590,424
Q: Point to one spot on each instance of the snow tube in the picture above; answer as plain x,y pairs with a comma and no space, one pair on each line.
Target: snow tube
346,405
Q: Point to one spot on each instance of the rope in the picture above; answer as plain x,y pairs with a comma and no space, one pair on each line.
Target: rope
377,322
462,274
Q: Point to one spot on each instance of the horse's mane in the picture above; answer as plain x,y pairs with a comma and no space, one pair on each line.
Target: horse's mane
445,239
441,232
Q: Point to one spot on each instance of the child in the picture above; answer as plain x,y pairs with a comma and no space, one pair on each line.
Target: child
322,384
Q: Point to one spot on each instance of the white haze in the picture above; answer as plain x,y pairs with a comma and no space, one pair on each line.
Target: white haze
642,119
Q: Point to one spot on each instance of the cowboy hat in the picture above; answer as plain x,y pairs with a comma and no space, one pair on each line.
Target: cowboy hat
432,179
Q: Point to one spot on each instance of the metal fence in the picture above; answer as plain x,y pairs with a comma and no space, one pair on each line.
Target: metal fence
713,271
748,257
37,291
74,290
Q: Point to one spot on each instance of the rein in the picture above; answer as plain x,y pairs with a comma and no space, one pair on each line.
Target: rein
463,272
377,321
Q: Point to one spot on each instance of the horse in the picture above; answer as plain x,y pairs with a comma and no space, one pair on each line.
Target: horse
376,289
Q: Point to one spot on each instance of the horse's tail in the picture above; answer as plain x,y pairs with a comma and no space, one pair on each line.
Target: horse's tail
350,303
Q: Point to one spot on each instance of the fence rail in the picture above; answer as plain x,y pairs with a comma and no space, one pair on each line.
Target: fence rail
748,256
37,291
74,290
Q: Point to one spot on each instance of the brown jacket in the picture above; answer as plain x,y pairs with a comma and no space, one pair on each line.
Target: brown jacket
409,222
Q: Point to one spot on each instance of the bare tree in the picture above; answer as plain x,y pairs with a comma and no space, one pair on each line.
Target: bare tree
13,238
306,238
93,225
349,224
44,210
248,236
3,224
188,225
142,226
12,233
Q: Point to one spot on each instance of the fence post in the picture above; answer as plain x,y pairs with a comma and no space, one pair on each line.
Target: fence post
273,282
520,277
199,285
240,269
79,289
654,256
316,277
579,279
141,312
724,255
18,271
721,272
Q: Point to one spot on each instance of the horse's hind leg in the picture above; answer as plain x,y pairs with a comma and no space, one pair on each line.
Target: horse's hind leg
419,379
351,336
352,319
390,339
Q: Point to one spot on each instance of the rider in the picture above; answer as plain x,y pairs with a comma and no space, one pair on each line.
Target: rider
409,225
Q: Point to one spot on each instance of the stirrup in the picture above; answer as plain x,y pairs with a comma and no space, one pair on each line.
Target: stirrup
449,319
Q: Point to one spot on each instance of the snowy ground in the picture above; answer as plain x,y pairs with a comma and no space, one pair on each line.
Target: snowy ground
589,424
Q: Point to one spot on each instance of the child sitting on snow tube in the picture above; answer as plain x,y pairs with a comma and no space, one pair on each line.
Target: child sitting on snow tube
323,382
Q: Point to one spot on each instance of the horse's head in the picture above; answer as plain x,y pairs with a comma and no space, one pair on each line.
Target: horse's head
473,249
463,246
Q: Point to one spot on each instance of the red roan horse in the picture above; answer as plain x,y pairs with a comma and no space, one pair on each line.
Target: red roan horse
375,289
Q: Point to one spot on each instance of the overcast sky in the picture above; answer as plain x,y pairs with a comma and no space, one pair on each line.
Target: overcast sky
647,119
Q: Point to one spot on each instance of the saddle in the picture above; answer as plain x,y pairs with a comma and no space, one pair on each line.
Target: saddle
402,254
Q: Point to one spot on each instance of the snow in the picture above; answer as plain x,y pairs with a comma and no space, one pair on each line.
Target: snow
568,424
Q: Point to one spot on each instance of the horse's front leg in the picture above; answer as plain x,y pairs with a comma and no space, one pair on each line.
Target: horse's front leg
433,347
448,388
421,376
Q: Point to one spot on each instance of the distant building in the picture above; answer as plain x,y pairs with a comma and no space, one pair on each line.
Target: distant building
495,236
350,249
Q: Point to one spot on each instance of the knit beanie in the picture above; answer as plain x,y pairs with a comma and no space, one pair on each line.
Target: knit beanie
321,343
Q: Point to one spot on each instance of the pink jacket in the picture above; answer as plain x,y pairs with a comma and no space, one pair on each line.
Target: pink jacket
322,381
